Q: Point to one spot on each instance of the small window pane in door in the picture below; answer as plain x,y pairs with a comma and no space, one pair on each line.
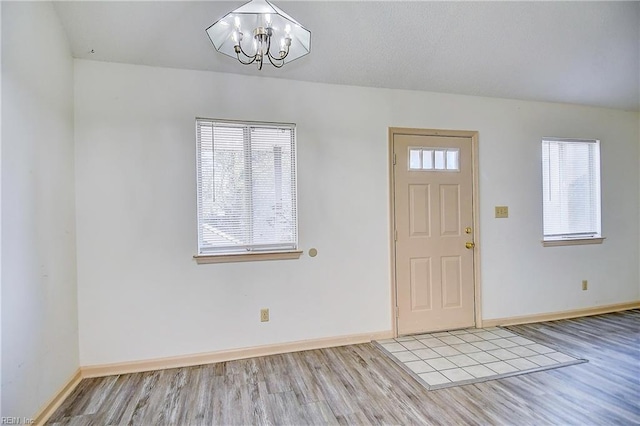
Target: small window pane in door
452,160
414,159
427,159
439,160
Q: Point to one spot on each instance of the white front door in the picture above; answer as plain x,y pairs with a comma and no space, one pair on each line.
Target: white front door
433,212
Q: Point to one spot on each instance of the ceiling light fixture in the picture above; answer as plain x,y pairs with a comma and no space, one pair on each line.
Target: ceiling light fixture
277,37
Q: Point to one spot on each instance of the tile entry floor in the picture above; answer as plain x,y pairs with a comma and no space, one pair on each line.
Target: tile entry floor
459,357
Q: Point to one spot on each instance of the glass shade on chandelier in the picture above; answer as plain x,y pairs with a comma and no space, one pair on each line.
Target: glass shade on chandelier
259,32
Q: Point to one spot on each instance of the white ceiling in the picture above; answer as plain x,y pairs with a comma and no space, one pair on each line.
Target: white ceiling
574,52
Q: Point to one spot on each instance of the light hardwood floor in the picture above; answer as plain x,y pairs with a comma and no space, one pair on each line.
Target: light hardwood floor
359,385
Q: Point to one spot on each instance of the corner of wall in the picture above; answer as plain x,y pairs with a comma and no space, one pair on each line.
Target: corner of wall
38,275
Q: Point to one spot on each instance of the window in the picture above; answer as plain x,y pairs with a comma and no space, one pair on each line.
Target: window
246,177
434,159
571,191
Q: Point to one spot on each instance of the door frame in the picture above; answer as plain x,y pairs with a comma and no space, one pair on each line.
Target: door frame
473,136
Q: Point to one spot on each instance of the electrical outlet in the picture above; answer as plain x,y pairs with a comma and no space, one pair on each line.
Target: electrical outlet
502,212
585,285
264,315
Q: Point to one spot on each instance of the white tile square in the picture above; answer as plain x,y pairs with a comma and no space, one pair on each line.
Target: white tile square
504,343
522,351
479,371
406,356
521,340
446,351
386,341
405,339
485,346
457,375
467,348
501,367
451,340
441,334
487,335
483,357
419,366
471,337
432,342
413,345
462,360
502,354
434,378
503,333
542,360
457,332
394,347
440,363
560,357
427,354
522,364
541,349
476,330
423,336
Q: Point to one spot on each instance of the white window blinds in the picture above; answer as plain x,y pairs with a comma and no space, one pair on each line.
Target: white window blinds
571,188
246,177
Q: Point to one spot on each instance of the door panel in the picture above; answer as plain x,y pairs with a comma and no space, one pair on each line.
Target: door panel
449,210
451,282
433,188
419,218
421,283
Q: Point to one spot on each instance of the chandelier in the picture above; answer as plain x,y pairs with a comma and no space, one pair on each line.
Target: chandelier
257,32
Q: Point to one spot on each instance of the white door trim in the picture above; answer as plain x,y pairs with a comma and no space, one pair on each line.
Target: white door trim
473,135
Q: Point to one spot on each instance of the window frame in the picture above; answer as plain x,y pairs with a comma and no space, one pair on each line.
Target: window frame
255,253
568,238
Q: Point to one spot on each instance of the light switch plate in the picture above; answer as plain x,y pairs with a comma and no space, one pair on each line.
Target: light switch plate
502,212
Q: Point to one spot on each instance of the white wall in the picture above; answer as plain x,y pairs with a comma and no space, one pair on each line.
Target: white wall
519,276
39,304
142,296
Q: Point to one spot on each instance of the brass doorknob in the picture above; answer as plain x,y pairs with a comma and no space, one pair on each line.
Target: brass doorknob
470,245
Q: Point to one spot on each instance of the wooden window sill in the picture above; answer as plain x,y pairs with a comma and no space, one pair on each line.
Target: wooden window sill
572,242
246,257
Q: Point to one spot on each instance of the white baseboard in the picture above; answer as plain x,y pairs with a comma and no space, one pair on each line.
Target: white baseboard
228,355
576,313
243,353
55,402
198,359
